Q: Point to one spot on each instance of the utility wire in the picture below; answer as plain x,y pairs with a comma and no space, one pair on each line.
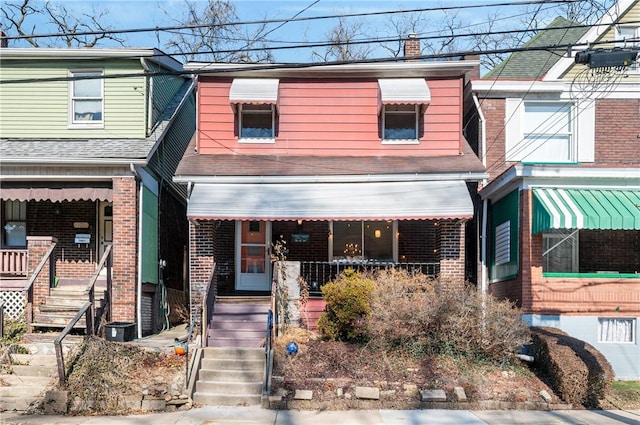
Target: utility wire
286,20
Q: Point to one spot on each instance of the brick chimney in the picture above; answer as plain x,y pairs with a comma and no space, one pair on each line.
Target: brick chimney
412,47
475,73
4,43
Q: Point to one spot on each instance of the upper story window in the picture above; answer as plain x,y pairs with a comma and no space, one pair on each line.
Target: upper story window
256,121
402,104
14,224
255,101
547,132
629,37
400,122
86,98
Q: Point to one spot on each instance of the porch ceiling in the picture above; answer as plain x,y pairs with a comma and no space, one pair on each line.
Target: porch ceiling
407,200
603,209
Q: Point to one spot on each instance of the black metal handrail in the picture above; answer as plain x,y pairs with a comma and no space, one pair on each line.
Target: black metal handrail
85,309
267,353
192,322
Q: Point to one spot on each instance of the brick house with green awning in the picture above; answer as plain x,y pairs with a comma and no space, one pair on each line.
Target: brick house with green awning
560,213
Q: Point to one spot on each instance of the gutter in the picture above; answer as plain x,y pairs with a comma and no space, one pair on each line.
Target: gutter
483,135
472,176
43,162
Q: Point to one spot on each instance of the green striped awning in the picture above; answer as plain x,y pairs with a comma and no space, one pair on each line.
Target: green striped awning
603,209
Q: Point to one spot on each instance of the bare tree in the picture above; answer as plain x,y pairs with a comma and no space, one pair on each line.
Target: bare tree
19,18
211,33
341,38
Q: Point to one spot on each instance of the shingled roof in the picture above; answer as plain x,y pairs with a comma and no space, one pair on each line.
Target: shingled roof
534,64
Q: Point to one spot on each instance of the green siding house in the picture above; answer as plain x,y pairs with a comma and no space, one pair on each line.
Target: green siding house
89,142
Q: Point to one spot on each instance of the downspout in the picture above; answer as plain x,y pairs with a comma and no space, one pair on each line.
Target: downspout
485,202
139,255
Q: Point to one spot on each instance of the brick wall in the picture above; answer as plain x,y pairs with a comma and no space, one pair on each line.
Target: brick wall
451,250
494,113
202,252
617,131
45,218
614,250
38,246
125,250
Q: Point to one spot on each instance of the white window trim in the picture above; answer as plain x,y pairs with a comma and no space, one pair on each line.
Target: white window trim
257,140
394,241
71,113
582,126
621,42
416,112
634,330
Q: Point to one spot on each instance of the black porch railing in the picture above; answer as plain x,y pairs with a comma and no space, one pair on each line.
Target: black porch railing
318,273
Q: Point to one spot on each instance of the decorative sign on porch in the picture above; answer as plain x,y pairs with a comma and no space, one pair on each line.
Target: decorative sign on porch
300,237
83,238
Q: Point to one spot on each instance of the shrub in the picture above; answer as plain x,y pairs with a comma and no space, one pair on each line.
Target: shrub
348,301
579,373
420,316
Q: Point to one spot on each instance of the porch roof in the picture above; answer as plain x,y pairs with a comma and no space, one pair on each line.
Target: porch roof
406,200
604,209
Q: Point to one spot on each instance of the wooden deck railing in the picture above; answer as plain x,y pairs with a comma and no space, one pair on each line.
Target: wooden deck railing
13,262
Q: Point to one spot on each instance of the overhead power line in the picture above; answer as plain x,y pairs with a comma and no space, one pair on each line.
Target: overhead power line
287,20
302,65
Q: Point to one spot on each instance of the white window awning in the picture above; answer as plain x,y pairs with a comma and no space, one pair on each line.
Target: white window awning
407,200
254,90
408,91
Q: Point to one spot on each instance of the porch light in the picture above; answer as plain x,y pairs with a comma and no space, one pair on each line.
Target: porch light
377,233
299,222
56,209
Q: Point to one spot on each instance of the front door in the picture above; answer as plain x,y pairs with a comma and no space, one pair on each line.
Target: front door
253,265
105,226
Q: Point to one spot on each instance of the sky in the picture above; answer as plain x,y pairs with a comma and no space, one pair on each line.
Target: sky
151,13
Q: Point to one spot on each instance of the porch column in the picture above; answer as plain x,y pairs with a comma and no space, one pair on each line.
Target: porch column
451,250
125,249
202,251
38,246
530,253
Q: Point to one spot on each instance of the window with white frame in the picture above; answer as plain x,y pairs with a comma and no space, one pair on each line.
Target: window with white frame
400,123
86,104
547,133
616,330
14,224
560,252
257,122
363,240
628,37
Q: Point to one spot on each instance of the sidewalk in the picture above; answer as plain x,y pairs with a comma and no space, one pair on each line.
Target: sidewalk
259,416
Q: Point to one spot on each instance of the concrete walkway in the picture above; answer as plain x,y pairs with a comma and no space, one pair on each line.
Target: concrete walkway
259,416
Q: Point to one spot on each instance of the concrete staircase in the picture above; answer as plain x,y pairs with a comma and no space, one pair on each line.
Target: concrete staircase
230,377
232,366
23,385
63,303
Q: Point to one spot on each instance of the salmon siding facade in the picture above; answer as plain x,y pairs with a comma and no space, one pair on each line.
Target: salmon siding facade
357,166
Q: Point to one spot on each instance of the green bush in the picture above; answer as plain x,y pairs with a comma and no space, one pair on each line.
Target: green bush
579,373
348,302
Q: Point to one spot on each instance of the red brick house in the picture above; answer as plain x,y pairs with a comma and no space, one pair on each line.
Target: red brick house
358,165
560,217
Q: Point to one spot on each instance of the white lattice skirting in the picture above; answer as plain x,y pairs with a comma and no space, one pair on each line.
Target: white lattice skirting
14,302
